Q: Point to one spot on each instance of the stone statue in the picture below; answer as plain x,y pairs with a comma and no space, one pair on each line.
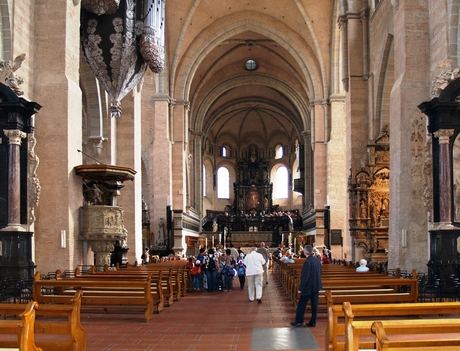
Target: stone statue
7,75
161,231
363,209
97,195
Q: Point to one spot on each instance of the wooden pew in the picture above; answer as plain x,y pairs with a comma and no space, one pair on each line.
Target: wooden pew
23,329
178,275
351,330
351,283
370,290
413,330
134,293
72,327
161,287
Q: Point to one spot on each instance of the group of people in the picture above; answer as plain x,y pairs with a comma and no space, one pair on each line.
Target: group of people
288,256
214,270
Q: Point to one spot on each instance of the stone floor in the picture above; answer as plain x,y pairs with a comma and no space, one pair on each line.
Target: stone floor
208,321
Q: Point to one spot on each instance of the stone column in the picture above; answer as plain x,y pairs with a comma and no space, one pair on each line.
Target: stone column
196,200
337,165
160,178
59,134
445,182
411,30
180,138
14,201
102,250
129,155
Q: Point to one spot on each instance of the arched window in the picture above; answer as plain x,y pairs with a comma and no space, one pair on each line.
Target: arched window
281,183
204,180
224,151
279,151
223,183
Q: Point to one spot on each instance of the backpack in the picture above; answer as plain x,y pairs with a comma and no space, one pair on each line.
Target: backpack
230,272
211,266
196,270
240,270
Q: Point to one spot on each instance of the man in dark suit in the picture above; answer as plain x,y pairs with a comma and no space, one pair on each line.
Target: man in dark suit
310,285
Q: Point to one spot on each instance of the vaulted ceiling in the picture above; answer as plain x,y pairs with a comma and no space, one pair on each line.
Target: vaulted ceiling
208,45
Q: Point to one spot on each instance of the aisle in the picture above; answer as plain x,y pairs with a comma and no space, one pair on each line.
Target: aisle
204,321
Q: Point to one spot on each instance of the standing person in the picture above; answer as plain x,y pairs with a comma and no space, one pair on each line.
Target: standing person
145,256
310,285
211,269
197,276
228,273
241,273
234,253
254,262
266,255
200,256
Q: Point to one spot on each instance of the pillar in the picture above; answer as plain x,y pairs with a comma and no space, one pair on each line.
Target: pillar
59,134
14,138
445,181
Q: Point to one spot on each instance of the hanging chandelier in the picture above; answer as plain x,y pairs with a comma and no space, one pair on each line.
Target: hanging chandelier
120,38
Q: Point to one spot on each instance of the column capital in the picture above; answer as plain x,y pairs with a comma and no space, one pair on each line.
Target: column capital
444,135
196,134
14,136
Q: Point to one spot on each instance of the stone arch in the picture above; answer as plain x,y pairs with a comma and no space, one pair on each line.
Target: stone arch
312,69
292,94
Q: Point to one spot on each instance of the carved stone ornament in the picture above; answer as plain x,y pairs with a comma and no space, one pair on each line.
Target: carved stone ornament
110,46
7,76
34,187
101,7
152,53
440,82
102,223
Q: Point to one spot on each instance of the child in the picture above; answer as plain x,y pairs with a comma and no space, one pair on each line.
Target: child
228,274
241,273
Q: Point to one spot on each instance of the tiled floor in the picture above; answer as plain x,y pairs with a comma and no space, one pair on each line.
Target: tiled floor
204,321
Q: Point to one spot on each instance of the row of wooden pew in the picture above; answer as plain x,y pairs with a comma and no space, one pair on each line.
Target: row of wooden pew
372,311
146,288
27,323
423,326
345,284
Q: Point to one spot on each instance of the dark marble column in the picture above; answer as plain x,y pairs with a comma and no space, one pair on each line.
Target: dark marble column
15,137
445,186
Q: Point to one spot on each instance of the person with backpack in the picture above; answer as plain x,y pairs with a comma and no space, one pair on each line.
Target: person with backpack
241,273
228,274
211,270
197,276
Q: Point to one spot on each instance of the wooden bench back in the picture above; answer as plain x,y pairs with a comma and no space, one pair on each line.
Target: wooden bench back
412,328
24,329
